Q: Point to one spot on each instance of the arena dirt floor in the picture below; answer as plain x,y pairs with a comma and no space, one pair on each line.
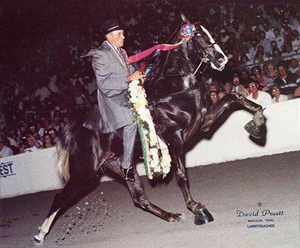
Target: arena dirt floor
266,187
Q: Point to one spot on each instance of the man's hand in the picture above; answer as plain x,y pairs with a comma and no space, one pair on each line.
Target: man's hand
135,76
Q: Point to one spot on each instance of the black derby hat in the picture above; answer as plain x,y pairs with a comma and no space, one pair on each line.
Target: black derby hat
111,25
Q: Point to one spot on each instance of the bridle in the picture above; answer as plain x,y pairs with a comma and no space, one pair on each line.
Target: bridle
205,59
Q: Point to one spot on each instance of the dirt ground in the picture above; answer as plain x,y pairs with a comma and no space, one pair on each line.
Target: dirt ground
266,188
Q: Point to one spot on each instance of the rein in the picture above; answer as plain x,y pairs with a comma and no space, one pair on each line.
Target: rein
204,59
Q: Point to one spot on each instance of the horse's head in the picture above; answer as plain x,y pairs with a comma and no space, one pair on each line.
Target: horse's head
210,49
203,43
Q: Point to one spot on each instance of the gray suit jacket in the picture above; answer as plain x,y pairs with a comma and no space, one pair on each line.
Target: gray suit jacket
112,89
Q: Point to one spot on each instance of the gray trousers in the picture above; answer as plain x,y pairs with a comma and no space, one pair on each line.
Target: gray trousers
129,135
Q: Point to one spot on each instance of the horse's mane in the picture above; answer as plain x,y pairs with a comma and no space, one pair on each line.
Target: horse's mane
168,68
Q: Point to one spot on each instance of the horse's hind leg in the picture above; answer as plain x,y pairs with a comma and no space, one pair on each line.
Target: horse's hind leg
255,127
202,215
81,172
138,194
61,200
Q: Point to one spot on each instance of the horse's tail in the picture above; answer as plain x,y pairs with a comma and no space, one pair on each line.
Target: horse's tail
63,152
63,163
72,138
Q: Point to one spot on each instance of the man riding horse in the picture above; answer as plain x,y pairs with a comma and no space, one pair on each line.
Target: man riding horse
113,73
180,111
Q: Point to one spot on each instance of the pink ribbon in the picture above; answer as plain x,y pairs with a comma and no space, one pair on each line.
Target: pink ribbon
186,31
147,52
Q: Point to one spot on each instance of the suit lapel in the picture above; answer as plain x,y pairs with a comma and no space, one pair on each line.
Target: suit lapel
114,55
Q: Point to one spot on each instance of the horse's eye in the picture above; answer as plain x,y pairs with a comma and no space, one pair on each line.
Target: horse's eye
198,35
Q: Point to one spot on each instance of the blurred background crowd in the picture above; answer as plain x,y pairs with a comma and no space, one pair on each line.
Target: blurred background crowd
45,80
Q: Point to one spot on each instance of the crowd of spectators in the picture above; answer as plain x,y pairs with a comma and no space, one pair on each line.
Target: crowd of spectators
46,79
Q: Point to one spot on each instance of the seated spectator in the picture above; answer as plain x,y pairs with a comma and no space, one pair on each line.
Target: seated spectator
258,96
62,125
34,131
268,32
297,93
66,119
295,41
293,66
5,150
276,56
273,46
40,128
260,58
13,137
265,43
237,86
221,94
245,62
288,52
258,76
226,88
270,74
287,81
29,144
277,97
53,133
48,141
213,97
43,91
245,92
278,38
2,120
55,123
244,77
214,86
253,50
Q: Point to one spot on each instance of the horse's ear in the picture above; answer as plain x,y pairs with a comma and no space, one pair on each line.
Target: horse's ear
183,17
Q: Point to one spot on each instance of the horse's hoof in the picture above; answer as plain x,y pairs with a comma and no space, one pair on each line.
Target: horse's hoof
254,130
180,217
177,218
37,241
203,216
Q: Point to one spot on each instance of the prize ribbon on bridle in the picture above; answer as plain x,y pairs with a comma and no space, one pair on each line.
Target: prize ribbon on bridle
186,31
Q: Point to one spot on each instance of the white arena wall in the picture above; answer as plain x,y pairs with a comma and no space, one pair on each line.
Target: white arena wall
35,172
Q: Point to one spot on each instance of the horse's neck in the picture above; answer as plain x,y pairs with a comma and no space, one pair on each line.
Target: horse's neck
172,74
179,62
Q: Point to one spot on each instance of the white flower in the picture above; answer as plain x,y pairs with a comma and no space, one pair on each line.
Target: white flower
139,105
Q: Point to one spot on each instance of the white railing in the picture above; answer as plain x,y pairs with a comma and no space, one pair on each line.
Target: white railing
35,172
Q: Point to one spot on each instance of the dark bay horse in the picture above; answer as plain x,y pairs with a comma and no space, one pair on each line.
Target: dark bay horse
179,109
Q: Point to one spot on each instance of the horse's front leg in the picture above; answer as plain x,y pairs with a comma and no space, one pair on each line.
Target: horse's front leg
202,215
255,127
138,194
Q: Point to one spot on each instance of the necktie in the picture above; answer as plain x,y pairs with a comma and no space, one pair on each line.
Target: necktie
120,53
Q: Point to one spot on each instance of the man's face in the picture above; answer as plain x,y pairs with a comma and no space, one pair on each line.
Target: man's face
116,38
213,97
266,27
236,81
281,71
252,87
294,63
270,68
